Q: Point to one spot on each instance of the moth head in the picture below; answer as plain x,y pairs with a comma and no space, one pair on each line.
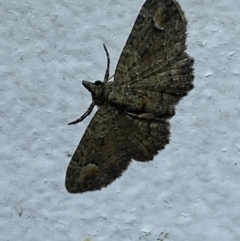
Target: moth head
95,89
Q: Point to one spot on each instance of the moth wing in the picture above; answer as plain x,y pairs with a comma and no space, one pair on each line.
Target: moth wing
154,57
101,155
144,138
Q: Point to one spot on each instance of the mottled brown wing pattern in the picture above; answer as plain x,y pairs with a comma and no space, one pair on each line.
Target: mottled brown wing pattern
154,57
109,143
101,155
143,138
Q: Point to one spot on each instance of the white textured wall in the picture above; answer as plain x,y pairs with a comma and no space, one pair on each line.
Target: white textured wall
191,190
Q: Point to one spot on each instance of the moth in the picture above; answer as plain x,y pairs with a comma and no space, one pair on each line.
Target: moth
132,121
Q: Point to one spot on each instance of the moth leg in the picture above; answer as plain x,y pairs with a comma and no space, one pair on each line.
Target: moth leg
88,112
106,77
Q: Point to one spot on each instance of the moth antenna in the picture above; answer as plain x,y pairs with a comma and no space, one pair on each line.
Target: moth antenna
108,64
88,112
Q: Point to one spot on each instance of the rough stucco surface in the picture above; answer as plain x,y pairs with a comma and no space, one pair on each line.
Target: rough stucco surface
192,188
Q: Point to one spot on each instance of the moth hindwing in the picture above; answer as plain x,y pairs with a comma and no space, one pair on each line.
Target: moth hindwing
153,73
